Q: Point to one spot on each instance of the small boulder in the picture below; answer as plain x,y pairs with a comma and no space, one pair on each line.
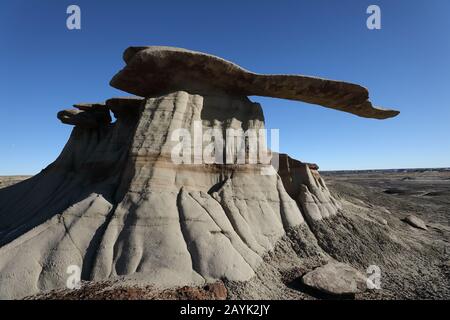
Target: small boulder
336,278
415,222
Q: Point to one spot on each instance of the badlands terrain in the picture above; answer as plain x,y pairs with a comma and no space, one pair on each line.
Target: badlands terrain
387,196
138,219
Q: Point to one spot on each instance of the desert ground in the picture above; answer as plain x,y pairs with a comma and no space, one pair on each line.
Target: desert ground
6,181
422,192
414,263
387,196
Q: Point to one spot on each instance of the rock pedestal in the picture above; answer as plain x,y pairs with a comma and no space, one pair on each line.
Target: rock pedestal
115,203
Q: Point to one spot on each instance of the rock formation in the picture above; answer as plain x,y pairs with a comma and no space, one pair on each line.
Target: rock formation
336,279
152,70
416,222
115,204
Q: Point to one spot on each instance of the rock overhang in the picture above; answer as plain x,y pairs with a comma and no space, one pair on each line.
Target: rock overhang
157,70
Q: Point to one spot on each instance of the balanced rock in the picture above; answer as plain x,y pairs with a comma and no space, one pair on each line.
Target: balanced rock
116,204
336,278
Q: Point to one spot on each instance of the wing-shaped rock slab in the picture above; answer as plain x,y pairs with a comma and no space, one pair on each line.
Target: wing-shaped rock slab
155,70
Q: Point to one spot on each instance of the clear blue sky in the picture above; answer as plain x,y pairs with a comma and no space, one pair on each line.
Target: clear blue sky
405,65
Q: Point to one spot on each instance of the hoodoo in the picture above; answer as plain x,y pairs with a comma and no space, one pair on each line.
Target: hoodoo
116,205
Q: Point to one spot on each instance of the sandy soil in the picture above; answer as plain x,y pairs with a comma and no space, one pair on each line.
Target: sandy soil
6,181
